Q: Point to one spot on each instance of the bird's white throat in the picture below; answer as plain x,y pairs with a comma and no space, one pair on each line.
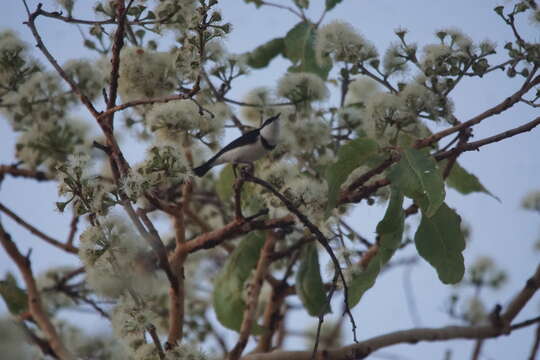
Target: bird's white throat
270,132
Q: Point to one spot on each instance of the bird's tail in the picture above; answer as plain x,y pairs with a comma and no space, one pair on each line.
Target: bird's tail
203,169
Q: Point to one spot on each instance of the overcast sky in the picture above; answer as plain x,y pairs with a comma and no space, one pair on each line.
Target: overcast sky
508,169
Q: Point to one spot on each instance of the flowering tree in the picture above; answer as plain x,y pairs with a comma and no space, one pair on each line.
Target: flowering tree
161,250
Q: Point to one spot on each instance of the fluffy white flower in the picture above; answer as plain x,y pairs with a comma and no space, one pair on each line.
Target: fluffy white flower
435,54
299,87
10,47
339,40
87,77
184,14
458,38
145,74
360,90
394,60
279,173
170,121
309,194
33,102
303,135
263,97
108,252
418,98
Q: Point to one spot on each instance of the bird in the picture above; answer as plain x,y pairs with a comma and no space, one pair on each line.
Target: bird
247,148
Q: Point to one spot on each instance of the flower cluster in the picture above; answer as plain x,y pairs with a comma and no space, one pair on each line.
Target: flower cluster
172,120
302,87
339,40
145,74
86,193
260,97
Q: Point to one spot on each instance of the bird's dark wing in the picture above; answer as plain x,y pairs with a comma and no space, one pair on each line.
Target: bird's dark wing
248,138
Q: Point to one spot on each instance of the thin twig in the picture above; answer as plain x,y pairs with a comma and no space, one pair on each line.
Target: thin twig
320,238
41,46
536,343
64,246
155,338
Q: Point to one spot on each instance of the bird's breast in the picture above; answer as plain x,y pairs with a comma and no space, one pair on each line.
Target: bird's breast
244,154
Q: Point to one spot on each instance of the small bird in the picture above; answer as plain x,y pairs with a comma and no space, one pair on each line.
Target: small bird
249,147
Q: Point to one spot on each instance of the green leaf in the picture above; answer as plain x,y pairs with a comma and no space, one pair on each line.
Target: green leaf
15,298
330,4
390,232
350,156
309,284
304,4
418,176
61,205
299,48
263,54
440,241
363,281
465,182
225,183
257,3
390,228
229,285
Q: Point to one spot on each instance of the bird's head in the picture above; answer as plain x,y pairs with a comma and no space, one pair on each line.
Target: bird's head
270,129
270,120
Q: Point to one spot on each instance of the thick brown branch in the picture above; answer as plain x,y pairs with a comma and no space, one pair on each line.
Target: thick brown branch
118,43
64,246
233,229
14,171
412,336
177,292
251,309
34,301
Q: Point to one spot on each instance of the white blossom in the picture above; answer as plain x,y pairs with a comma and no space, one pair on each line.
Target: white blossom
462,41
339,40
394,60
299,87
360,90
145,74
261,96
87,77
170,121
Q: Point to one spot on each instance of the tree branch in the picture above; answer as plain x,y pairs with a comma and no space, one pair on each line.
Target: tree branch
233,229
34,300
64,246
251,309
15,171
412,336
41,46
320,238
495,110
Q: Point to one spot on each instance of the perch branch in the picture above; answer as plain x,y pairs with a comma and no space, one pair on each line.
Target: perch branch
34,300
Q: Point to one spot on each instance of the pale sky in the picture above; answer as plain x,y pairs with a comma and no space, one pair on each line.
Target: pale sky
508,169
